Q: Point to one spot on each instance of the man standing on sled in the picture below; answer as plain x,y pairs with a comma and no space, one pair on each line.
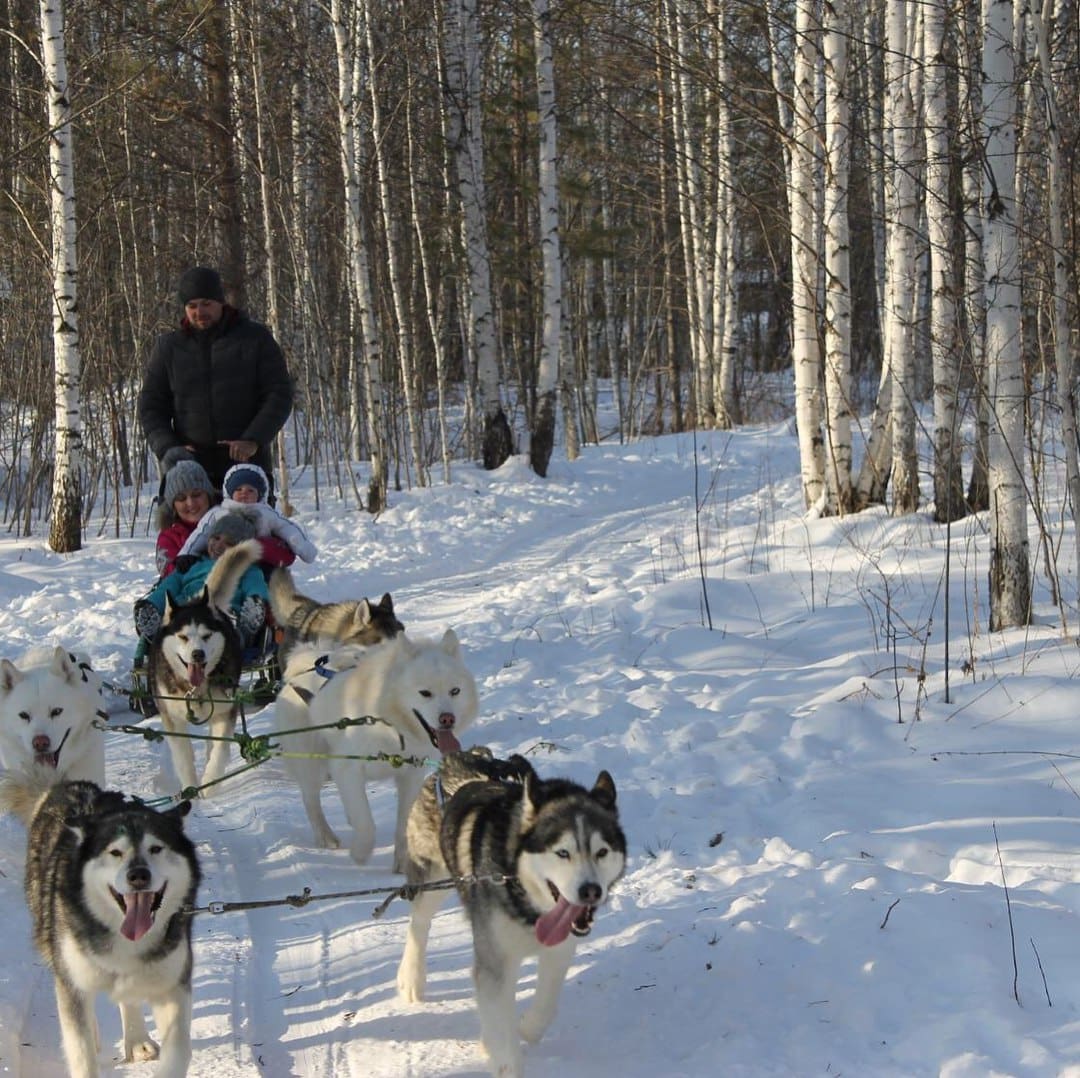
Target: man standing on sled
216,390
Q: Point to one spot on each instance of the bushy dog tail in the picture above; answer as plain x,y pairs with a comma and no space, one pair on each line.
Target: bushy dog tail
288,605
223,579
21,791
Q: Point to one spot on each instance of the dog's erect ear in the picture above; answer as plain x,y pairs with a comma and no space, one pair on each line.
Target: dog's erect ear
519,768
9,675
604,790
450,643
65,667
386,603
363,615
528,801
171,606
178,812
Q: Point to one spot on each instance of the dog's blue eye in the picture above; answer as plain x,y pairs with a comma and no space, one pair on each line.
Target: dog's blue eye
564,854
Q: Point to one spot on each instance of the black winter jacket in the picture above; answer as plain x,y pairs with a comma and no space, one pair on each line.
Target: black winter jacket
228,383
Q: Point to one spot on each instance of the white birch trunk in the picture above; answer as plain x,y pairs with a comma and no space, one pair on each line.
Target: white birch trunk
543,426
691,224
465,135
901,268
361,293
1010,574
970,95
393,268
65,529
724,263
802,197
944,324
837,30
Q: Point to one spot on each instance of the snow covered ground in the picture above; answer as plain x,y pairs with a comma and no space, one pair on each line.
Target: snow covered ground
846,855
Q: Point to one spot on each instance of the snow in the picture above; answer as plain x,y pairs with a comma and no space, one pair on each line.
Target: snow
844,853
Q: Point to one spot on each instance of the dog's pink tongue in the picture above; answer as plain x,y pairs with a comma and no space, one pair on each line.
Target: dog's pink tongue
446,741
138,914
196,673
554,926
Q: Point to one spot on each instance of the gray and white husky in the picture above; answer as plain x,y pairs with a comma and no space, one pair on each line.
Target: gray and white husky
194,667
413,695
48,704
109,883
307,621
532,860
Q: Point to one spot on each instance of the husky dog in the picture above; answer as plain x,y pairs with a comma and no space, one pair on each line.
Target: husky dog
415,695
48,704
109,883
194,666
532,860
304,620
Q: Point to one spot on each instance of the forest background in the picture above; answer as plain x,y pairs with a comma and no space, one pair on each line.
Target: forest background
479,211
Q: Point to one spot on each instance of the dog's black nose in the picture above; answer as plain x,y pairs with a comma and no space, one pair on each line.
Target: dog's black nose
138,877
589,894
198,657
447,720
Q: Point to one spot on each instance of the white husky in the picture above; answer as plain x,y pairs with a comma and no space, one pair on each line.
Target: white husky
415,696
48,704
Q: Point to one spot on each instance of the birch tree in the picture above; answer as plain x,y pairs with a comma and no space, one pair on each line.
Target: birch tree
805,263
349,67
464,121
65,531
1010,574
837,31
944,324
542,438
901,270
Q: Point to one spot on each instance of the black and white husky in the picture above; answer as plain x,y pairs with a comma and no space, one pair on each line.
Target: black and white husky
194,665
532,860
110,883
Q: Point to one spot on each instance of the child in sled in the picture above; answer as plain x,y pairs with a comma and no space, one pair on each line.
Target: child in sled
245,491
250,602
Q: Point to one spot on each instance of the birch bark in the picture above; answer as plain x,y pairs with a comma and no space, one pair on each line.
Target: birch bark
65,526
543,426
1010,574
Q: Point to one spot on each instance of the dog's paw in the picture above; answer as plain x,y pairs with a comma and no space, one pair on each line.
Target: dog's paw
141,1051
533,1026
360,850
508,1068
327,840
411,991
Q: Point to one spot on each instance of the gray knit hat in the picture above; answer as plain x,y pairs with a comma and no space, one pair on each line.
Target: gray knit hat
201,282
183,476
232,526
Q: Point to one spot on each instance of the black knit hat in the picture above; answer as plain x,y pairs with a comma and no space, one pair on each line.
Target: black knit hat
201,282
233,526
